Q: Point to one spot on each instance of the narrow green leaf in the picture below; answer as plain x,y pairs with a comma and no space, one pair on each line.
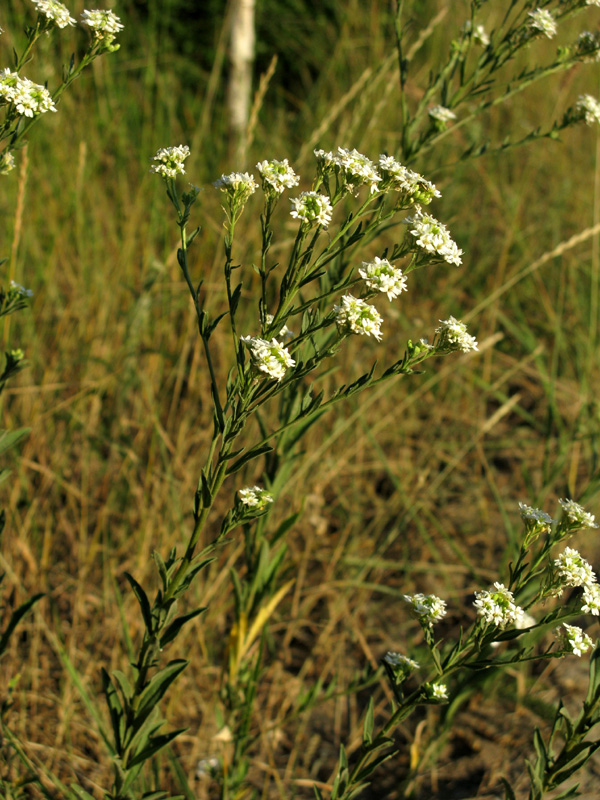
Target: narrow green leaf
568,793
173,629
255,452
9,439
162,568
143,601
369,723
155,744
115,708
124,685
156,688
15,618
508,791
542,754
132,775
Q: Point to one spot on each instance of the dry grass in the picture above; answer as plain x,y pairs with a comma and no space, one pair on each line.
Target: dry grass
412,488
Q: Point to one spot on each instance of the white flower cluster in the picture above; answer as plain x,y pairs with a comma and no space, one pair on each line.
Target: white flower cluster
577,515
312,207
237,184
277,175
255,497
571,569
453,336
27,97
497,606
589,108
7,163
543,21
104,24
400,662
573,638
427,607
272,358
591,599
592,2
55,12
441,114
357,169
382,276
356,316
534,517
433,237
170,161
402,179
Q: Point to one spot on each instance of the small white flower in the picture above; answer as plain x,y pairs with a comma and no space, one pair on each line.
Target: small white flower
574,639
427,607
103,24
478,33
170,161
543,21
592,2
589,108
433,237
497,606
383,277
277,175
534,517
55,12
441,114
572,570
356,316
27,97
436,692
405,180
400,662
312,207
577,515
358,169
591,599
272,358
453,336
255,497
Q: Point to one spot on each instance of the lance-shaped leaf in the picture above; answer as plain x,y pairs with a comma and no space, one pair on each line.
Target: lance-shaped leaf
9,439
115,709
254,452
155,744
157,687
173,629
15,618
143,601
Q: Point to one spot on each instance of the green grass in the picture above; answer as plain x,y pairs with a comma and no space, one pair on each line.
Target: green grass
414,489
